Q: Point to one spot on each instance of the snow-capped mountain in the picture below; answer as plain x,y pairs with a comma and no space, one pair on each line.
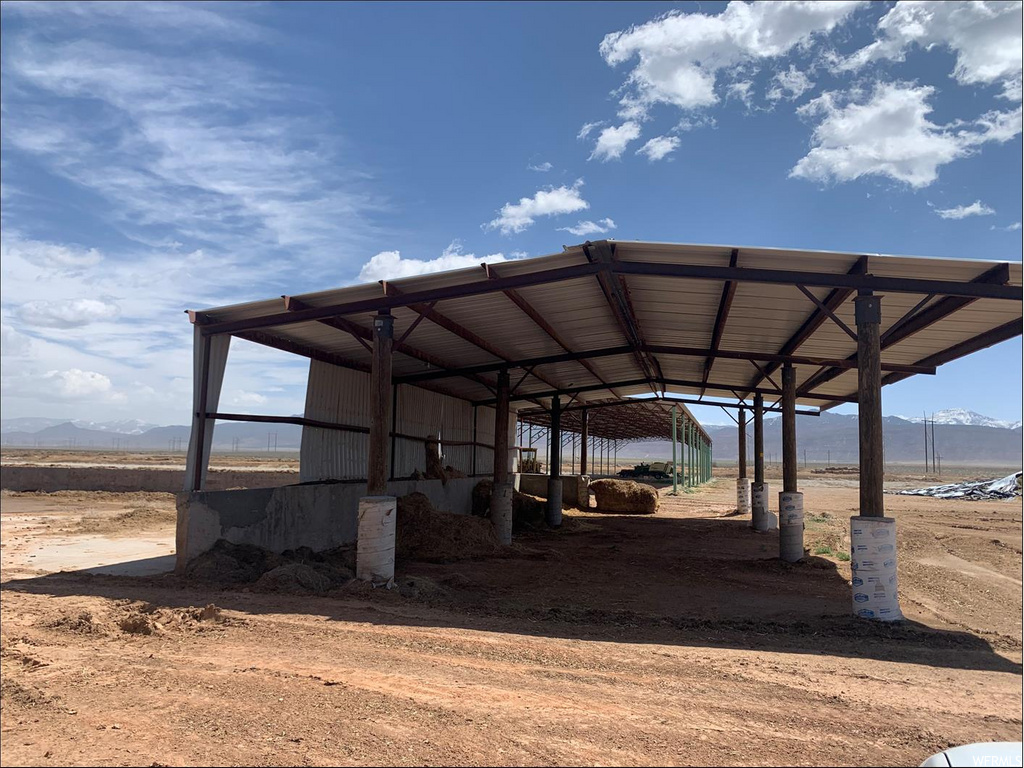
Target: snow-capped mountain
963,416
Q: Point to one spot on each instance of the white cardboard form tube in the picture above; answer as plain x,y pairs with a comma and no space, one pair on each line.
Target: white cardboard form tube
742,496
873,568
375,547
791,526
760,516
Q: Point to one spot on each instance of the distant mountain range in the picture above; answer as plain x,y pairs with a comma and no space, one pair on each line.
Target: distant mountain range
961,416
961,437
833,437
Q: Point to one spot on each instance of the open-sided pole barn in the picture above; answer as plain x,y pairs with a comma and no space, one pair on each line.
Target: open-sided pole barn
447,359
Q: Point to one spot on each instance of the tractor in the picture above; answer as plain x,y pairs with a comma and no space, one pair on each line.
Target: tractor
528,462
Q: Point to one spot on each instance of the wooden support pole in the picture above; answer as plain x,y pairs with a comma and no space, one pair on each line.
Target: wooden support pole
868,311
743,442
584,437
380,411
555,443
789,429
501,429
759,438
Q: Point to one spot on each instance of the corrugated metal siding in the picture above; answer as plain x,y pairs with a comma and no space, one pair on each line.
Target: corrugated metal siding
340,395
337,395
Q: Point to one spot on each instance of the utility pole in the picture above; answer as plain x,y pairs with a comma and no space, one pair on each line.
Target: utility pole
934,465
926,443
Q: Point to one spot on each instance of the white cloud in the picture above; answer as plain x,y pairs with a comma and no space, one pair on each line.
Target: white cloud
587,128
67,314
887,133
659,147
552,201
389,265
741,90
680,54
540,167
584,228
12,343
985,36
243,398
51,256
977,208
612,141
75,383
1015,227
790,84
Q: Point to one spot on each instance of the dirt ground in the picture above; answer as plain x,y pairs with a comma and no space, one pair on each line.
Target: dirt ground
672,639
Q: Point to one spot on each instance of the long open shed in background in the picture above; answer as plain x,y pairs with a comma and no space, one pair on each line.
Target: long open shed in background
449,359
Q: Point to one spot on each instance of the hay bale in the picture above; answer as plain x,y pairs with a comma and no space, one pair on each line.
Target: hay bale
426,534
624,497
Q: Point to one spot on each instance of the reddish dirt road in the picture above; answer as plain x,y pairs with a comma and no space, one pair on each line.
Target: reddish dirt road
674,639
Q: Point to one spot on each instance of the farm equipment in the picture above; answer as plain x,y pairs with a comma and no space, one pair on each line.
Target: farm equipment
528,462
659,470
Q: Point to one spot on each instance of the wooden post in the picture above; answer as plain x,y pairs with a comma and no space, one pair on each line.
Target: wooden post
394,428
584,437
743,443
380,413
555,447
868,311
789,429
759,438
501,429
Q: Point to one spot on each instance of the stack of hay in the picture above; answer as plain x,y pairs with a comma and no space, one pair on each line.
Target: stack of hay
624,497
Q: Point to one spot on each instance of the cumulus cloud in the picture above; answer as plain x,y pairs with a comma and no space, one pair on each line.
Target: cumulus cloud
389,265
887,133
790,84
742,90
67,314
977,208
76,384
612,141
985,36
540,167
51,256
1015,227
659,147
584,228
679,55
552,201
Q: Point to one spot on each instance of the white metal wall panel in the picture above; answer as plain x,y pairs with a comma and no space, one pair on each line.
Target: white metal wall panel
337,395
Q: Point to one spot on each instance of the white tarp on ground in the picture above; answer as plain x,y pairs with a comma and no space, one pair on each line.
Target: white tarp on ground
1005,488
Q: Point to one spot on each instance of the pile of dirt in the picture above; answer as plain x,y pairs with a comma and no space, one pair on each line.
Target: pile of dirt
140,518
624,497
426,534
527,510
299,570
836,471
149,620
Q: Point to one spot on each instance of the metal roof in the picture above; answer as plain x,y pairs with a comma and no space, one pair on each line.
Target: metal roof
622,420
615,318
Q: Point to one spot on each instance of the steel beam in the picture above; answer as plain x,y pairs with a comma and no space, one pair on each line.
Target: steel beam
724,305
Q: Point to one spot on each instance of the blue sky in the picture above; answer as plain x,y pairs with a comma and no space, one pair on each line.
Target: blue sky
163,156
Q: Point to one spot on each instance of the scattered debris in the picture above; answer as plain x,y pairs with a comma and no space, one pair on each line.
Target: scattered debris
624,497
1005,488
527,510
294,570
429,535
836,471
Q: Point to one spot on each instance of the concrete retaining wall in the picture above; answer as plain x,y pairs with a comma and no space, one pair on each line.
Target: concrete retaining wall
575,488
126,479
317,515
